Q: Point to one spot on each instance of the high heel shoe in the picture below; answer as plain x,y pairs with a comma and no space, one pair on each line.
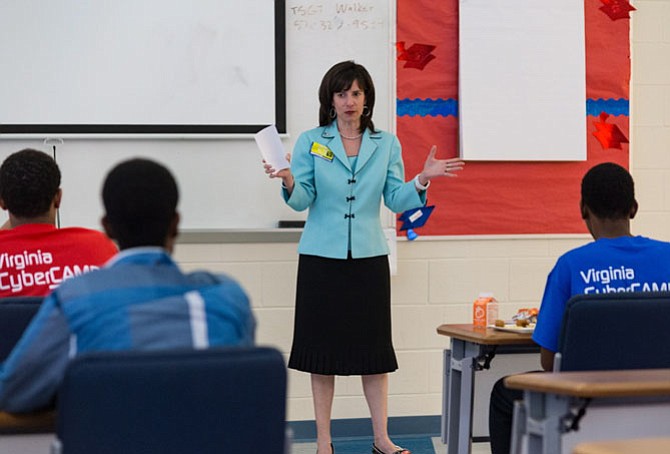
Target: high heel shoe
376,450
332,449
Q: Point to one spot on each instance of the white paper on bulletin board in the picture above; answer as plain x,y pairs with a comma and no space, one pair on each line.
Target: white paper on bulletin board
522,89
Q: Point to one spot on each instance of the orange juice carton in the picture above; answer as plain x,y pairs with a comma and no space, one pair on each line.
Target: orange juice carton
491,312
484,310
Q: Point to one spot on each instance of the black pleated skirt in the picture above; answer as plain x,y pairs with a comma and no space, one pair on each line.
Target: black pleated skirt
343,317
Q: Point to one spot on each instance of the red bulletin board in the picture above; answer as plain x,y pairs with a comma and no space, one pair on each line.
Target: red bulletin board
502,197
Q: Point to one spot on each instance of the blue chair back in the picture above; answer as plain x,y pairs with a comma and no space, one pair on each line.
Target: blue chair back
196,401
616,331
15,315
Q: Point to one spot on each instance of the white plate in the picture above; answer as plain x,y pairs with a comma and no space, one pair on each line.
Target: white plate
515,329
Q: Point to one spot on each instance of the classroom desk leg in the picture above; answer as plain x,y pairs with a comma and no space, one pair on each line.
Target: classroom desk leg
446,374
543,426
458,394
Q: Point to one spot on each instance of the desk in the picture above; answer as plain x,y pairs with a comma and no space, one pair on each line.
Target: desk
38,422
472,349
550,401
637,446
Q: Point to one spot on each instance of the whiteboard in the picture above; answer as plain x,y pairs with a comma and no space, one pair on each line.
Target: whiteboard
141,66
522,80
221,180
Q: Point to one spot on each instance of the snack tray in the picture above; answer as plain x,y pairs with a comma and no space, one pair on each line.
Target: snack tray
512,328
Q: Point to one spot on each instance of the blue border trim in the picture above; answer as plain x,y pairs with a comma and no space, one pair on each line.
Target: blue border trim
449,107
425,107
304,431
610,106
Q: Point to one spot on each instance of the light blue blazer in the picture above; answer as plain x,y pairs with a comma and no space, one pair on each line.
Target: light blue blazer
344,203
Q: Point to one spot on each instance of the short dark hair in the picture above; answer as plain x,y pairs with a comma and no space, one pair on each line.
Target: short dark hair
29,181
140,198
608,191
340,78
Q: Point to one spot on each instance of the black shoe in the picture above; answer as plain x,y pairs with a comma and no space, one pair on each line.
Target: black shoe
332,449
376,450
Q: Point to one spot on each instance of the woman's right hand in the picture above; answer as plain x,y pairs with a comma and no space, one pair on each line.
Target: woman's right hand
284,174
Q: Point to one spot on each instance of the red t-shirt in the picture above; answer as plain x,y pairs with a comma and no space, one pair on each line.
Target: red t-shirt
35,258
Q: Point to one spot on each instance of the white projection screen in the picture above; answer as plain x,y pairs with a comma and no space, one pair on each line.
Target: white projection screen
142,66
522,80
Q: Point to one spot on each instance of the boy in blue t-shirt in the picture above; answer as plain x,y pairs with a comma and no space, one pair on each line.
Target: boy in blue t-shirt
616,261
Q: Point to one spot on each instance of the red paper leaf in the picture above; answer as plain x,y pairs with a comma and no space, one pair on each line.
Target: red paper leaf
416,56
616,9
609,135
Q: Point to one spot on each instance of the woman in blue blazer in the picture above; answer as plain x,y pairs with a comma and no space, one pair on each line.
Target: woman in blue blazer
341,171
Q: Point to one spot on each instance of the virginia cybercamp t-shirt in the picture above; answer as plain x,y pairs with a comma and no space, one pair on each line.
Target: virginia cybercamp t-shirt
36,258
607,265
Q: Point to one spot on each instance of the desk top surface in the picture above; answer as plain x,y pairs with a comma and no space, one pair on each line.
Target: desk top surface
634,446
484,336
604,383
13,423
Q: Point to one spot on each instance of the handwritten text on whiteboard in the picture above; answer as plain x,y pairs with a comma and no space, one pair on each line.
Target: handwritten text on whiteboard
334,16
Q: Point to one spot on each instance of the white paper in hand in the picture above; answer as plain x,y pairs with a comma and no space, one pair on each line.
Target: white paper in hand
271,148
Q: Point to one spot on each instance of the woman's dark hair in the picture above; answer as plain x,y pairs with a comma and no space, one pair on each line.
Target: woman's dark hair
29,181
140,198
608,191
340,78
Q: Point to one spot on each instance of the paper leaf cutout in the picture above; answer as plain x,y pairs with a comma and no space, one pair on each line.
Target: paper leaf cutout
609,135
617,9
416,56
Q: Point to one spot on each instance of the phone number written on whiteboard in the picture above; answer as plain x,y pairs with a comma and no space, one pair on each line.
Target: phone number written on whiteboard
340,16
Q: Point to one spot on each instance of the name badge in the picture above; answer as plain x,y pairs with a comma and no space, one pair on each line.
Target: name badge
321,151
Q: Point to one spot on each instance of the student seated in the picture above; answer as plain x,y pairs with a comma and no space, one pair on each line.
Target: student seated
35,255
140,300
616,261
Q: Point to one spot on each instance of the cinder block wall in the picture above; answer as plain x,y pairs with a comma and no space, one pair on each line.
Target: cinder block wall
438,279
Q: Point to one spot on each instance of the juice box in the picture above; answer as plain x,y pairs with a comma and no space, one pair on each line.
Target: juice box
484,310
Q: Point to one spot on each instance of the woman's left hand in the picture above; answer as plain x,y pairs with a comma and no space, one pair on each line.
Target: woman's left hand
434,168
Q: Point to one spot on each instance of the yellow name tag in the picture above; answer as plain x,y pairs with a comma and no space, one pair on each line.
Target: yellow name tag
321,151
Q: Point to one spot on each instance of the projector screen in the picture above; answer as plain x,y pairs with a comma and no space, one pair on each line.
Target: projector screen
522,80
142,66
